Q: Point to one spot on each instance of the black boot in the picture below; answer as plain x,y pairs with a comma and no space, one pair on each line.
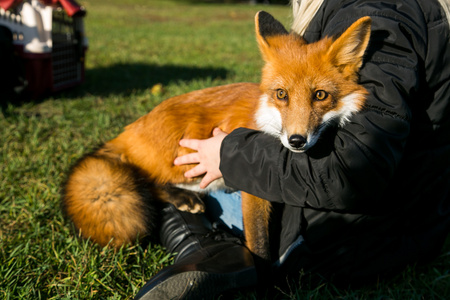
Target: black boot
209,261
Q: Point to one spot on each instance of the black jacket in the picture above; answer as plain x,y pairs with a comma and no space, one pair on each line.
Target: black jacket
375,193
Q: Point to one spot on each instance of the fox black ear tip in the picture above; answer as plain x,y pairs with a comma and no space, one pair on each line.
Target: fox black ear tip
267,25
263,14
264,17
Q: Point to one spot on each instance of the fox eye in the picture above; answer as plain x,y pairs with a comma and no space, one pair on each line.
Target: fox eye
320,95
282,95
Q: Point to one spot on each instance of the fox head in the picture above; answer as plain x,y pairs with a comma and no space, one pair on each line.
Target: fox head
307,87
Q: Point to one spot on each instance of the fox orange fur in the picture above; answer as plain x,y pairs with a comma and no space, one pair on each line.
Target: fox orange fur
305,87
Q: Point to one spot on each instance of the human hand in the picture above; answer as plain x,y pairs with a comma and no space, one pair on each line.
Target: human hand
207,157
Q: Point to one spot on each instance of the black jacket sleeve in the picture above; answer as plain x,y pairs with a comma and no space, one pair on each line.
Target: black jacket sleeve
350,168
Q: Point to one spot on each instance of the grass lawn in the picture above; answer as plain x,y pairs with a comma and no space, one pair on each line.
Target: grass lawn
134,45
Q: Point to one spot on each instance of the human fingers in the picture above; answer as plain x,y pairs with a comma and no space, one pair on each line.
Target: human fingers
189,143
195,171
217,131
208,178
190,158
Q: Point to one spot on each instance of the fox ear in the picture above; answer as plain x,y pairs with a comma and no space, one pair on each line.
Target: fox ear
347,51
266,27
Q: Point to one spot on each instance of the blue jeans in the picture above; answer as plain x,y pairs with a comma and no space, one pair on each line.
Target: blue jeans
225,207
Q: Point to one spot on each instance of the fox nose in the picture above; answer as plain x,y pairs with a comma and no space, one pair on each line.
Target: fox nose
297,141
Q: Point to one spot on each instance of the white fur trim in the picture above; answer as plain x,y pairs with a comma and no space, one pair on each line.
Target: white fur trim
349,107
268,118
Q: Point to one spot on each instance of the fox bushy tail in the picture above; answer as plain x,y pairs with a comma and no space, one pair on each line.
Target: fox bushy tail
108,200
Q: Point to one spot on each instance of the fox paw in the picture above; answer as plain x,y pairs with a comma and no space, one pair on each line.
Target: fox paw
193,207
184,200
190,202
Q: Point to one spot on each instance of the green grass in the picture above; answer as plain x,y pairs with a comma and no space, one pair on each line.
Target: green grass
134,45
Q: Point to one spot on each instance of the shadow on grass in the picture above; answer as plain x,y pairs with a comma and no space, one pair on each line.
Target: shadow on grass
121,79
124,79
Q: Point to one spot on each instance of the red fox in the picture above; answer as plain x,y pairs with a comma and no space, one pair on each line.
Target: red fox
305,87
